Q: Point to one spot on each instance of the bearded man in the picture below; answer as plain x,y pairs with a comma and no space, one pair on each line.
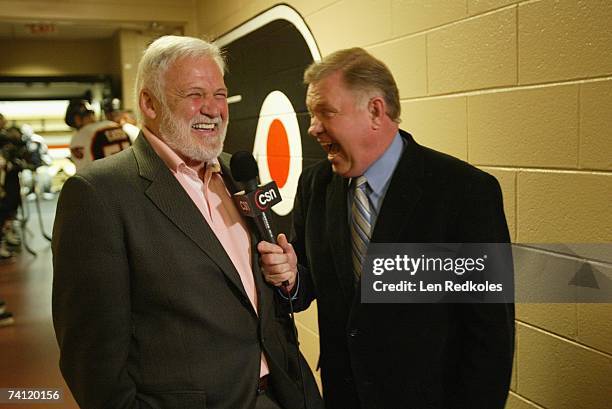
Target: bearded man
157,297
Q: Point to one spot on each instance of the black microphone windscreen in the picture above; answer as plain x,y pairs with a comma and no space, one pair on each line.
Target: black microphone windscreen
243,166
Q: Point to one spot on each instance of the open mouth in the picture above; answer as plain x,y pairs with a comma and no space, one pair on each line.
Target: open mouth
330,147
205,126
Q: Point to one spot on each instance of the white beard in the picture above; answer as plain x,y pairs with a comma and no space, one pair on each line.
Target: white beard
177,134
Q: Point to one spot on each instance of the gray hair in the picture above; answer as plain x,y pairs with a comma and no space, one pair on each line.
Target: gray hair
160,55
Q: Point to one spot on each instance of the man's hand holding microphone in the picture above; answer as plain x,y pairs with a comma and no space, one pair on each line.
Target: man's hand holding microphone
278,262
278,259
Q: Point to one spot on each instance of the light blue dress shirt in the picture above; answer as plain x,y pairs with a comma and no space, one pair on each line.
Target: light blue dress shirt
379,176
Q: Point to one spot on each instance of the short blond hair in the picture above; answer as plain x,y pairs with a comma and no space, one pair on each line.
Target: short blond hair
160,55
362,73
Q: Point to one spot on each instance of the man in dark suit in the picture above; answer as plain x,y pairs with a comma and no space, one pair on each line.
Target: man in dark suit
389,356
158,301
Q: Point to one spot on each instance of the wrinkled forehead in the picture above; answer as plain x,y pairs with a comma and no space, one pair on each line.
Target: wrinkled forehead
323,92
330,93
193,67
313,95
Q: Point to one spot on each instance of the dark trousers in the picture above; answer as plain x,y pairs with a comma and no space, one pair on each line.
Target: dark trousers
264,401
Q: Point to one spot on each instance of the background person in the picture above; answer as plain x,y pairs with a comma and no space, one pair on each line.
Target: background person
124,117
39,175
93,139
15,157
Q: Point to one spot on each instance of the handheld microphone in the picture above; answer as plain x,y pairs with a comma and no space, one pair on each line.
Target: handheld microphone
255,201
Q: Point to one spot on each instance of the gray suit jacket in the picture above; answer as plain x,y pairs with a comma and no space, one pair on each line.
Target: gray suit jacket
148,309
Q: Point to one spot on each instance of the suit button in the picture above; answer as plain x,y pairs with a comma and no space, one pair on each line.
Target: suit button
353,333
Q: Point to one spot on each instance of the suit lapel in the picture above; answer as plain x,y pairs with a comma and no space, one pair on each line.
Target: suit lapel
339,234
403,194
172,200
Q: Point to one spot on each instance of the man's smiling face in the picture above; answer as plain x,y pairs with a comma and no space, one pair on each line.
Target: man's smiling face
195,113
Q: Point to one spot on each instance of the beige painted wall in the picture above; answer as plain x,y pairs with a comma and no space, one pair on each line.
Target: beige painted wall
131,46
522,89
99,11
45,58
118,55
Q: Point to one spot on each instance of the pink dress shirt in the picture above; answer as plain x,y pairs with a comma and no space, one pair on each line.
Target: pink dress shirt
206,188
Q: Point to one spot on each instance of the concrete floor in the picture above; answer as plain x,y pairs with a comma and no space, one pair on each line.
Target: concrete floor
28,351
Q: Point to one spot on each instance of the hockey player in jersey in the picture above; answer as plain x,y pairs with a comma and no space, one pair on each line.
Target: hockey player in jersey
93,139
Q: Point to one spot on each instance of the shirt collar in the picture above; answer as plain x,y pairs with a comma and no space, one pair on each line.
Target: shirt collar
379,173
172,160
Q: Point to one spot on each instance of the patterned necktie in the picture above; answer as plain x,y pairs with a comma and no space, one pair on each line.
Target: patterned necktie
361,224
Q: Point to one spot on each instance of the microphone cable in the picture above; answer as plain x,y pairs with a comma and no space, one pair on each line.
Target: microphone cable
297,342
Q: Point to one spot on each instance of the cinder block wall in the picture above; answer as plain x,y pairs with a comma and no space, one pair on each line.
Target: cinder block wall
522,89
